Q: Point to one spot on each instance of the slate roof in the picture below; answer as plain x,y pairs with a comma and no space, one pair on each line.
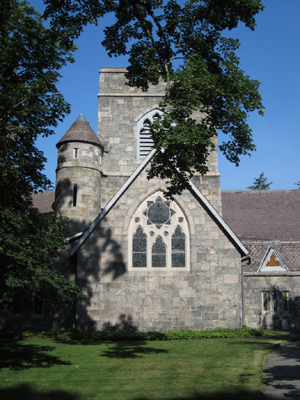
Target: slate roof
263,214
80,131
289,253
260,219
43,202
252,215
263,219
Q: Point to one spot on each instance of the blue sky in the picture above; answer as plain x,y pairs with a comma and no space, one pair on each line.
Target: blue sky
270,54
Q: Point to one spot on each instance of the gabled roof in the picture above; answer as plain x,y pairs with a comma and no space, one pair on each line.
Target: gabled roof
80,131
272,262
193,189
287,251
261,215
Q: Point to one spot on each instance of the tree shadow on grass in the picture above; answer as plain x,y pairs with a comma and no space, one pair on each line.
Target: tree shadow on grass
224,395
17,356
28,392
130,350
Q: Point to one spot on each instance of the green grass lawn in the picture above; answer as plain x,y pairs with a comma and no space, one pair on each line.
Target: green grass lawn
182,370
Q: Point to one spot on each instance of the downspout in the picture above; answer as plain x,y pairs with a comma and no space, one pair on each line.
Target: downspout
245,261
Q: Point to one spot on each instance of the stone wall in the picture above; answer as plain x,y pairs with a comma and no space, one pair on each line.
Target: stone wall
206,297
256,285
85,172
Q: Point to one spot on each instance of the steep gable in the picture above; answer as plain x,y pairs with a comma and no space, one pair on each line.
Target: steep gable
192,188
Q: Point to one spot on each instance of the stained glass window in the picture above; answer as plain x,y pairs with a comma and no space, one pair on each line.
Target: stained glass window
178,249
160,235
158,213
139,249
159,254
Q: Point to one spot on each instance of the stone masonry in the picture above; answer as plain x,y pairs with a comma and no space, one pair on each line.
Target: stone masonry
206,297
257,284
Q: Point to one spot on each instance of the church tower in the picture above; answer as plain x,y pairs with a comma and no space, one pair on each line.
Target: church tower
78,175
124,114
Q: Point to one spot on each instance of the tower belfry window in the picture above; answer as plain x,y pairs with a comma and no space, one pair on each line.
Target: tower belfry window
144,139
75,152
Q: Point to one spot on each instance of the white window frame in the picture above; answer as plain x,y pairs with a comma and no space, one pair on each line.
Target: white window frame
140,125
286,312
263,303
152,232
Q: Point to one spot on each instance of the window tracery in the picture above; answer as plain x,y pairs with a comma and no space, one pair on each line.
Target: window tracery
158,236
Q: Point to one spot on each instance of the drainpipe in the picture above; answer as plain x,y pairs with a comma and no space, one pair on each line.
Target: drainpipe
245,261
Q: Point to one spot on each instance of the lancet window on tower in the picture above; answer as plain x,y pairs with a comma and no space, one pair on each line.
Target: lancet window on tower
75,152
144,139
158,236
75,193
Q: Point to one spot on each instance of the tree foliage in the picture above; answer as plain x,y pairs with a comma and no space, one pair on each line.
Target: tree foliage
182,44
30,104
260,183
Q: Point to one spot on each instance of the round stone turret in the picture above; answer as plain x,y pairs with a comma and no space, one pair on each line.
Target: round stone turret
78,175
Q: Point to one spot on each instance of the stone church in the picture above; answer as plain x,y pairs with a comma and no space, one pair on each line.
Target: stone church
205,259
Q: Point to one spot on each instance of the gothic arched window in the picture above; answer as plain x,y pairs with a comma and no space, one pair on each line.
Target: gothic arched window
158,235
139,249
159,254
178,248
144,139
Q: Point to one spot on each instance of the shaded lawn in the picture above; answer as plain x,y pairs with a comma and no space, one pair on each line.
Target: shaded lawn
181,370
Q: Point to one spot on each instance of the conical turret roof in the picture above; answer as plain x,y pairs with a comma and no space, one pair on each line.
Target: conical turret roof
80,131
